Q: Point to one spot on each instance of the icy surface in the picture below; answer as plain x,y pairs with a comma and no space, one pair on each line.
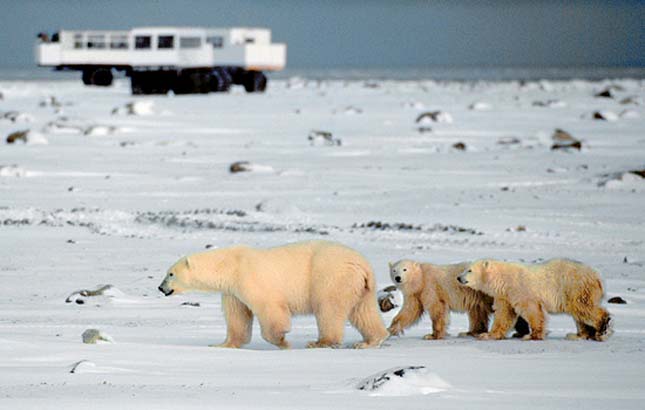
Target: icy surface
116,198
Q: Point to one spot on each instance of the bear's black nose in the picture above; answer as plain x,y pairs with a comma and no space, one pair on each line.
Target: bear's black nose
397,279
161,290
461,280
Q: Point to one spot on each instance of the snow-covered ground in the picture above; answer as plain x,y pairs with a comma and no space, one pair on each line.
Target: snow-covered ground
112,189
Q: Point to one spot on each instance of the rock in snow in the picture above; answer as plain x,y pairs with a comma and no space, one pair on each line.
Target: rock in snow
142,107
94,336
82,366
386,298
403,381
12,171
317,137
246,166
27,137
604,116
480,106
434,116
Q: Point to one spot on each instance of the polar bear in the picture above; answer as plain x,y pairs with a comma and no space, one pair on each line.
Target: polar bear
327,279
531,290
434,288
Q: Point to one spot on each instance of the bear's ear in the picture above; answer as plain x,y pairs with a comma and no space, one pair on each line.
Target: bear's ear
389,264
417,265
485,264
187,262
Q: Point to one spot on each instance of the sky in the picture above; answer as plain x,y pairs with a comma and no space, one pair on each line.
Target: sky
376,33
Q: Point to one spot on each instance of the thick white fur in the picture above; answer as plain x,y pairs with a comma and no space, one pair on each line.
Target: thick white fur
326,279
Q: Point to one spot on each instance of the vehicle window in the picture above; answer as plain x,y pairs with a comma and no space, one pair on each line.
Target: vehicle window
142,42
96,41
78,40
119,41
216,41
190,42
166,42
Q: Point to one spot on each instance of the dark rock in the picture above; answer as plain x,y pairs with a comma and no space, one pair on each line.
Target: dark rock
562,136
459,146
318,137
567,146
191,304
604,116
386,299
508,141
17,136
606,93
240,166
434,116
617,300
639,172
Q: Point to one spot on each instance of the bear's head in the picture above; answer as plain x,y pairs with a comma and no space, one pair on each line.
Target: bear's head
179,277
477,275
407,275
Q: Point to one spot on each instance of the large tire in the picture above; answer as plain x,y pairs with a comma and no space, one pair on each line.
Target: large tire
135,83
151,82
102,77
255,81
87,76
220,80
192,82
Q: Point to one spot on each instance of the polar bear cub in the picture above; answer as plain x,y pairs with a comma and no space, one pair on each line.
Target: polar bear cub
434,288
329,280
532,290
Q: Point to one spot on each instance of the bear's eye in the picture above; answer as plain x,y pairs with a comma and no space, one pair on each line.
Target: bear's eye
171,274
405,269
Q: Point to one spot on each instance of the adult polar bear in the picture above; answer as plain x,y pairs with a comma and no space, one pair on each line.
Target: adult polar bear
330,280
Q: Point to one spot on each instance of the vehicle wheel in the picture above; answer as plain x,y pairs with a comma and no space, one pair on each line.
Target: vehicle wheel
102,77
220,81
255,81
202,83
87,77
136,84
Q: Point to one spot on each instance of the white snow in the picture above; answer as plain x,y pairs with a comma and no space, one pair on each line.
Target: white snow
120,208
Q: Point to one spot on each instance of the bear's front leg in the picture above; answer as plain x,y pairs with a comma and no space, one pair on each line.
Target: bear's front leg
439,316
585,332
239,322
275,323
534,314
409,314
505,318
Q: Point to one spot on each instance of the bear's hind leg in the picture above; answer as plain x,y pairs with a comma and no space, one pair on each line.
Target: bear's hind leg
365,317
275,323
239,322
478,318
330,319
